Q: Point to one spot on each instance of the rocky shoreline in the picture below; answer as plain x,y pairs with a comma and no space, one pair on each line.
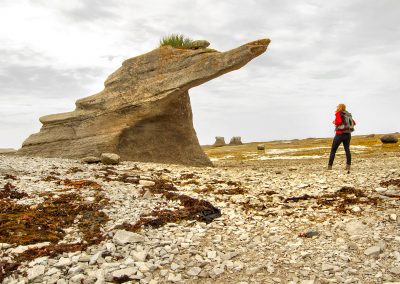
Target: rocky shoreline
280,223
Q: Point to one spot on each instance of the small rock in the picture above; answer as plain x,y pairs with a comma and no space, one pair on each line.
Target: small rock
307,282
174,266
146,182
199,44
193,271
129,272
77,278
139,255
211,254
91,160
142,266
123,237
217,270
110,159
380,189
94,258
371,251
395,270
355,228
62,262
35,272
393,217
75,270
174,277
327,267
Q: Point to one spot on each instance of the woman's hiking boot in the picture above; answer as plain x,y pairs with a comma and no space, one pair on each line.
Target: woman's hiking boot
348,168
329,167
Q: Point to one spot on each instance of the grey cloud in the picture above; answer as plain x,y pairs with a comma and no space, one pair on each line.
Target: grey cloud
46,81
87,11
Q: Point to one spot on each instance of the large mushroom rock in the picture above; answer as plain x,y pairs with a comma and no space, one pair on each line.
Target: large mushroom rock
144,112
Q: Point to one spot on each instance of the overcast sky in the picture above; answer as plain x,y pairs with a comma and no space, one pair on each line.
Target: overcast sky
322,53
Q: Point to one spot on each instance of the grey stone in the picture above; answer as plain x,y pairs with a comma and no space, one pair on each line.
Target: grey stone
395,270
371,251
355,228
130,272
110,159
143,267
62,262
77,278
199,44
174,277
123,237
94,258
35,272
91,160
193,271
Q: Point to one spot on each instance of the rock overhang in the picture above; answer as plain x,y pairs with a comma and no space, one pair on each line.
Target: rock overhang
144,100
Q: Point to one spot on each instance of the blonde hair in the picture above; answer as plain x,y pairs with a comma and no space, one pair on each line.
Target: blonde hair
341,107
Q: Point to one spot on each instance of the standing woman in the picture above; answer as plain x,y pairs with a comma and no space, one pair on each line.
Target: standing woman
344,125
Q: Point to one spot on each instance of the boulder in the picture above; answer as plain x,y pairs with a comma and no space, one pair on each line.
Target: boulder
389,138
261,147
219,141
110,159
144,112
236,140
196,44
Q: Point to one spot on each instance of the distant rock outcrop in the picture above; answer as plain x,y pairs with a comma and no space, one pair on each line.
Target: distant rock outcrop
236,140
389,138
219,141
144,112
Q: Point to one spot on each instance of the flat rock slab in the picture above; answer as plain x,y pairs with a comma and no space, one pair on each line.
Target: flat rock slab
123,237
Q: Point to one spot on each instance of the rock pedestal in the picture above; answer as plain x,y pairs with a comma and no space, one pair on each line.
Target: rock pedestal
144,112
236,140
219,141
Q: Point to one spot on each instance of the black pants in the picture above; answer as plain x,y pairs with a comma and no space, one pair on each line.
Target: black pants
341,138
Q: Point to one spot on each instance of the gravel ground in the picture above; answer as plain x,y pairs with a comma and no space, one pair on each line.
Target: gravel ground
281,222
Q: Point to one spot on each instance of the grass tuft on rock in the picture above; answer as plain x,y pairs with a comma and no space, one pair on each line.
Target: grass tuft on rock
177,41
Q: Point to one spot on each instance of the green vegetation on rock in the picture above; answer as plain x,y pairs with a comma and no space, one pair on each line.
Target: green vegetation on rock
177,41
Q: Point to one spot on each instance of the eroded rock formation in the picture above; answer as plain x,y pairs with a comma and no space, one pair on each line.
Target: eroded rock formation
219,141
144,112
236,140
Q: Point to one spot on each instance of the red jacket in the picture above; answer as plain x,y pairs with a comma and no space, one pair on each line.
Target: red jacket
338,121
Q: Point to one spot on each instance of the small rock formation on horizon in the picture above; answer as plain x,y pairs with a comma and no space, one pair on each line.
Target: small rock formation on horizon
236,140
219,141
144,112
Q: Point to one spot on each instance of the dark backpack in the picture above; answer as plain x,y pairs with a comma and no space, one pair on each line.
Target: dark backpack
347,122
